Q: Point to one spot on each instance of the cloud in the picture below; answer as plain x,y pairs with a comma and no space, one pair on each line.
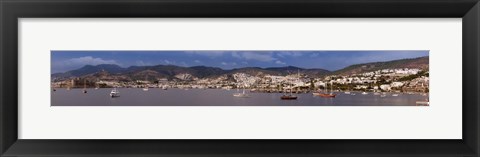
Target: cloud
168,62
211,54
258,56
142,63
284,54
183,64
313,55
236,55
229,64
280,62
197,61
89,60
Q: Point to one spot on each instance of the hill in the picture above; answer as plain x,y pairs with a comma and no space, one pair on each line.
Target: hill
174,72
420,63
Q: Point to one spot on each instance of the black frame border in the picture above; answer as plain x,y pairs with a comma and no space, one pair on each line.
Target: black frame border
11,10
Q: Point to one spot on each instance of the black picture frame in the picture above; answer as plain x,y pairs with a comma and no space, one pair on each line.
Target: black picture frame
10,145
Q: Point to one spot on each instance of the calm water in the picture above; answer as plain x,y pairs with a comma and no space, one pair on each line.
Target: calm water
218,97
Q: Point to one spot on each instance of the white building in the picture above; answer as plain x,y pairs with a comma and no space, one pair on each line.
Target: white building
396,84
385,87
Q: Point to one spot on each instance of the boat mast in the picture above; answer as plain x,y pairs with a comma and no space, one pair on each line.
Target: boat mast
331,88
243,89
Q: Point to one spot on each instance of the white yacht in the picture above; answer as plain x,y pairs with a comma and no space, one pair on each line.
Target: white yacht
241,95
114,93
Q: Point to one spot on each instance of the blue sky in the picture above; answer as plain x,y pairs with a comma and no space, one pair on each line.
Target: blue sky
63,61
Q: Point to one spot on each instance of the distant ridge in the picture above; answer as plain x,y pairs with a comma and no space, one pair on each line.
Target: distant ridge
172,71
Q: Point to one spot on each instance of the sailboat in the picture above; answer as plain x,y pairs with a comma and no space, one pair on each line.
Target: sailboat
114,93
290,96
425,102
364,92
97,85
347,91
68,87
84,86
375,91
241,95
326,95
146,86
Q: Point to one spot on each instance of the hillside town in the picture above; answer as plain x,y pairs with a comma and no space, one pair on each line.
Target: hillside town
386,80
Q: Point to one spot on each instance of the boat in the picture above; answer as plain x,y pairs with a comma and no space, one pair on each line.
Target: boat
375,92
146,85
326,95
114,93
422,102
348,91
383,95
364,93
290,96
84,86
241,95
164,87
394,94
97,86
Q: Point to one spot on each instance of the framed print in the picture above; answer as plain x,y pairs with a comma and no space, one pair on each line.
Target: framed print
263,78
218,78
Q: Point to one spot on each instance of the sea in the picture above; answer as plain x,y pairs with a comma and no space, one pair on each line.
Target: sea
221,97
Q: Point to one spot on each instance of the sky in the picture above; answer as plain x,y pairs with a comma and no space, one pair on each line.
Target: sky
63,61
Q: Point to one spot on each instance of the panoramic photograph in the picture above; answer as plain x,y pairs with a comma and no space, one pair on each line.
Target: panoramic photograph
240,78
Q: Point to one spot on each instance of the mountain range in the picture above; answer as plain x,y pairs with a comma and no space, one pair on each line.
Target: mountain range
174,72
